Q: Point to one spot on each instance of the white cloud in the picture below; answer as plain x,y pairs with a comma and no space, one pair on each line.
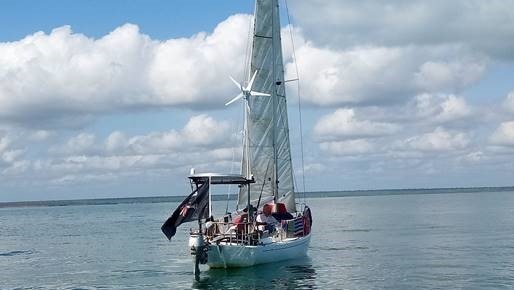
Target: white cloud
476,156
503,135
508,104
382,75
453,75
484,26
441,108
313,168
70,179
349,77
40,135
17,167
66,74
350,147
440,140
200,131
4,143
64,78
11,157
342,124
202,141
83,143
116,141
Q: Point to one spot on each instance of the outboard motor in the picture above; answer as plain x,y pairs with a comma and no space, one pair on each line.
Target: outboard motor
199,250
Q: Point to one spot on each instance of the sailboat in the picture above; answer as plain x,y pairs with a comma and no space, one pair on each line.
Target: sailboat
268,224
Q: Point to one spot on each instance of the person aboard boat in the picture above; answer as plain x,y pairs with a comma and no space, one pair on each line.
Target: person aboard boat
280,212
265,221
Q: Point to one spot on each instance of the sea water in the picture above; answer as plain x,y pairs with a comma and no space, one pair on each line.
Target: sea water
421,241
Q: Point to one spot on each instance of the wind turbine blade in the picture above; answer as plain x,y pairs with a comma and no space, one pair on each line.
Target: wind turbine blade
250,84
259,94
237,84
234,99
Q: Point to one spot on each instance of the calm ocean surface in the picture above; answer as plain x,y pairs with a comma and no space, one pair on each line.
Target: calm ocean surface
424,241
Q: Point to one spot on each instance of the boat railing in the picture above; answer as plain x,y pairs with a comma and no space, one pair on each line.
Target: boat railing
241,233
247,233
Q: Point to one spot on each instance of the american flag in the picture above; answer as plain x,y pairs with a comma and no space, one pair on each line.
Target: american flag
294,226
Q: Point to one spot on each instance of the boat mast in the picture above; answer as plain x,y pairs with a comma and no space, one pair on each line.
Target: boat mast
274,9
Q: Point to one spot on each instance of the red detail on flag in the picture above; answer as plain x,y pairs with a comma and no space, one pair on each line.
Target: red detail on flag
183,211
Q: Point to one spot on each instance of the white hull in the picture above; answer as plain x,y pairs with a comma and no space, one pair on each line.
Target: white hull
226,255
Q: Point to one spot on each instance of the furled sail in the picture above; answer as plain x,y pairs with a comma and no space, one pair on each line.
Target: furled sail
267,151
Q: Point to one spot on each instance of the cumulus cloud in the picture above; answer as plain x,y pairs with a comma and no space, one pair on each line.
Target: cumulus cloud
202,141
201,131
453,75
40,135
383,75
349,147
503,135
62,79
483,26
508,104
11,157
440,140
4,143
83,143
441,108
476,156
342,124
64,74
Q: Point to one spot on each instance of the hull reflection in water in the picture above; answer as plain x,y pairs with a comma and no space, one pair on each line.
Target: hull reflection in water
292,274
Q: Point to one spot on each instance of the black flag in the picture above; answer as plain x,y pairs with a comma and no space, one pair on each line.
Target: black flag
194,207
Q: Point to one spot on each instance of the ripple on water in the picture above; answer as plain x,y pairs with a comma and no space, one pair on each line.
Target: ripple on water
15,253
346,248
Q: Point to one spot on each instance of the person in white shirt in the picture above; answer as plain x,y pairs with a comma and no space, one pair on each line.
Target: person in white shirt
265,221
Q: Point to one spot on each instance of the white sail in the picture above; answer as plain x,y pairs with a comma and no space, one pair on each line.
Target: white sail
267,147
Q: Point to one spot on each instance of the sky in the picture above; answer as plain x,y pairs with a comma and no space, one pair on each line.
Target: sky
123,98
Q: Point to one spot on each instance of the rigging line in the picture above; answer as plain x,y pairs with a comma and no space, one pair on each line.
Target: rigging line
299,97
231,170
248,48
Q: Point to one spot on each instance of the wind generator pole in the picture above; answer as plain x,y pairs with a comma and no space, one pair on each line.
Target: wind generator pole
249,205
247,143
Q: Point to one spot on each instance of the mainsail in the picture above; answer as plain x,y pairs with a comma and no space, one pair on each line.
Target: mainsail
267,153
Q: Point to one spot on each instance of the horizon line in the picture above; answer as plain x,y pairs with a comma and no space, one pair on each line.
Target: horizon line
308,194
